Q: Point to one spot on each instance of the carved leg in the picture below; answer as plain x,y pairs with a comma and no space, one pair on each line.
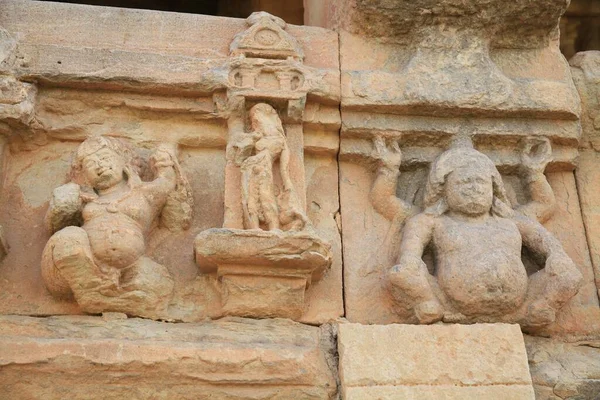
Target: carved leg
53,279
250,197
411,290
148,286
549,289
268,202
68,255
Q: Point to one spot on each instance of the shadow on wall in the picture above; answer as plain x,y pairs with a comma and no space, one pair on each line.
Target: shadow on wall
292,11
580,27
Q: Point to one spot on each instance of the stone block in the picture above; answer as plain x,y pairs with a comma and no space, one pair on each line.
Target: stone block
562,370
92,358
431,362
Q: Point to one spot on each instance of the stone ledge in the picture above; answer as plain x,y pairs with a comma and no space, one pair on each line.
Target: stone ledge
88,357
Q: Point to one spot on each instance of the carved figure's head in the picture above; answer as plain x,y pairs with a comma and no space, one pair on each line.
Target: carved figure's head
465,181
264,118
103,162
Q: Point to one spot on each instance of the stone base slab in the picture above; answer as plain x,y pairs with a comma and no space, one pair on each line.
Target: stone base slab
95,358
481,361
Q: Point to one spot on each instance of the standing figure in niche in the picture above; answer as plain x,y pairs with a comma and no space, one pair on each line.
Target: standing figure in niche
476,238
264,202
102,220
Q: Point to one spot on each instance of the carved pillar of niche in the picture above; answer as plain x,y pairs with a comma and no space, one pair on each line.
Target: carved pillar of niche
17,102
266,254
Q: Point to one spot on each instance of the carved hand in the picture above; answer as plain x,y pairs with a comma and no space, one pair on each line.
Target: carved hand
537,153
162,157
386,156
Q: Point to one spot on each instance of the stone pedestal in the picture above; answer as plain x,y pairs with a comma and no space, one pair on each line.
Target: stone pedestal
482,361
262,273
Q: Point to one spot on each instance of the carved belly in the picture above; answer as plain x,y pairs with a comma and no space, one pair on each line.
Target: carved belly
492,284
116,239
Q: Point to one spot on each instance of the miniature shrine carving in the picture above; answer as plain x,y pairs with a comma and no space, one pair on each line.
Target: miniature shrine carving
267,254
101,220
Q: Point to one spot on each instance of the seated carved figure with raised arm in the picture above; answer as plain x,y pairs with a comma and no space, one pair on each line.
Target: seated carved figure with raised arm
476,238
102,219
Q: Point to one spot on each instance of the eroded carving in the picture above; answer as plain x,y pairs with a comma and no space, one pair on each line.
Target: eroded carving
101,221
270,260
264,202
272,253
476,237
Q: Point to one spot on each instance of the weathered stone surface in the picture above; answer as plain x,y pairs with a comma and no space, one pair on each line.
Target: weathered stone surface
422,362
90,358
586,74
147,88
122,56
103,264
263,273
564,370
423,80
520,24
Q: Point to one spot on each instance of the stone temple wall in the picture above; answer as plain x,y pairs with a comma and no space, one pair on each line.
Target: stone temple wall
400,202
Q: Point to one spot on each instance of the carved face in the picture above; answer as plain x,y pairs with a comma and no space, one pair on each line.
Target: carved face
469,190
103,168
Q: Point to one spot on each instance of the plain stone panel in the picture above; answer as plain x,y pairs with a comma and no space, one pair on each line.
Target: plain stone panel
500,392
396,356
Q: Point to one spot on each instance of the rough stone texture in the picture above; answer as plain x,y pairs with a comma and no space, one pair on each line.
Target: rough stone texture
88,357
263,273
478,239
586,74
426,86
564,370
165,83
424,362
100,222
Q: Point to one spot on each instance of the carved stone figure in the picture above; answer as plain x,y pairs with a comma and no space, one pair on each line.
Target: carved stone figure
101,222
256,153
265,267
476,238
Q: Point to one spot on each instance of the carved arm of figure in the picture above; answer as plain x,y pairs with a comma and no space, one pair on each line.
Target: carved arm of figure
551,287
65,207
170,192
409,278
241,146
537,153
162,163
383,193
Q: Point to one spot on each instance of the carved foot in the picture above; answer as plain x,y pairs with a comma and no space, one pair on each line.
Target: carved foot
429,312
539,314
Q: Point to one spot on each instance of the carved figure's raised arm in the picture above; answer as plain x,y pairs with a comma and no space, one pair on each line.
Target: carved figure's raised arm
383,193
536,155
241,144
65,207
165,178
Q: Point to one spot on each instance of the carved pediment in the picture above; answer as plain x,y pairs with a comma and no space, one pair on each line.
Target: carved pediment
266,38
